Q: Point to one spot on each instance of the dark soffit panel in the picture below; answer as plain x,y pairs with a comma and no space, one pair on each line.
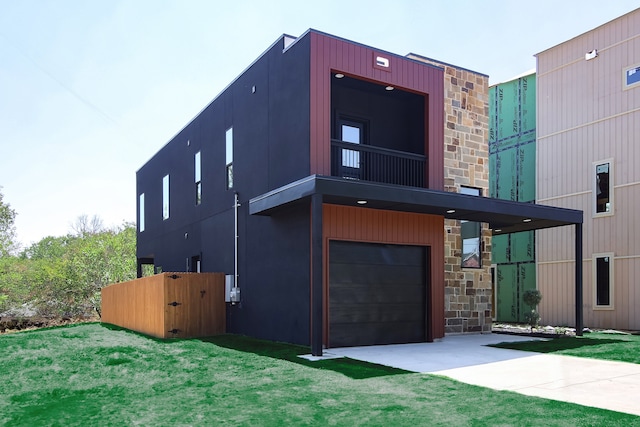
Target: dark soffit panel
503,216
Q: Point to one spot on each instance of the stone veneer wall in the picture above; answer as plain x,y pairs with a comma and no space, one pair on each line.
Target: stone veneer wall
468,294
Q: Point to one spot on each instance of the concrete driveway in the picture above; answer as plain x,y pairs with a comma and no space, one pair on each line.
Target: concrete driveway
466,358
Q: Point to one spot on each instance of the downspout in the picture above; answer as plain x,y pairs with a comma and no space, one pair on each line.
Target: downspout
236,205
235,291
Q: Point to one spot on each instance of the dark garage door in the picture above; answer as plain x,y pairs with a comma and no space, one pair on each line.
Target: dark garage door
377,294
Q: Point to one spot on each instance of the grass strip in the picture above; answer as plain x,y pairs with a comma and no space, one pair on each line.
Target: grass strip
597,345
96,375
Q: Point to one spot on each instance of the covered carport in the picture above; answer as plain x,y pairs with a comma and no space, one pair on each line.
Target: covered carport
503,217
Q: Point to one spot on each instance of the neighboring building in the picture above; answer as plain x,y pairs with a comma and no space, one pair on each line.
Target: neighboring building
512,164
317,180
588,151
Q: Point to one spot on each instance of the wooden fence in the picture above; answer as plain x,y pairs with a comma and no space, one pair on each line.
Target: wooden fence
168,305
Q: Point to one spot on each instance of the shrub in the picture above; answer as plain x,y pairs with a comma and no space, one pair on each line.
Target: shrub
532,298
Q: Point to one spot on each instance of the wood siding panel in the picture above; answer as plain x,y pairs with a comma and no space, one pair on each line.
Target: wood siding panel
379,226
585,115
142,305
201,311
136,305
331,54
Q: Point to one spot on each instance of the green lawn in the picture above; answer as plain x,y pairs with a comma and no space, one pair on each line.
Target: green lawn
96,375
618,347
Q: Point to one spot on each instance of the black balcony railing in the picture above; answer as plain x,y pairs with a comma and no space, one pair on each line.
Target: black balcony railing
377,164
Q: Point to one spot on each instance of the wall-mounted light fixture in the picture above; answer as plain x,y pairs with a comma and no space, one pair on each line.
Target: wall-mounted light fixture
591,55
381,61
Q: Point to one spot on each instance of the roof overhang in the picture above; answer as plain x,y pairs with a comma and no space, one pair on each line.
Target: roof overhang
503,216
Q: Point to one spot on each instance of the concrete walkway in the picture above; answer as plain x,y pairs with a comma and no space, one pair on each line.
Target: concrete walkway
589,382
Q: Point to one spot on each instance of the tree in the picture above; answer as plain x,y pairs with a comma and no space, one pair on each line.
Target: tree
14,282
48,248
84,226
63,276
7,228
100,259
47,278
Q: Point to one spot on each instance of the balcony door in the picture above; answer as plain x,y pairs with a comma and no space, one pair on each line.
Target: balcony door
354,132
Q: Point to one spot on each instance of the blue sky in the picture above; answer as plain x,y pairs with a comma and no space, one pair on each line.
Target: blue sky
90,90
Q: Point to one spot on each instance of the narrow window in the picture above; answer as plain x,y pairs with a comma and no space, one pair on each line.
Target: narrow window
603,278
471,237
141,213
229,157
603,188
165,197
198,179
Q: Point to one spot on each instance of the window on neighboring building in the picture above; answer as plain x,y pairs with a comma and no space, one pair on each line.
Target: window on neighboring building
165,197
603,188
229,157
198,179
632,76
603,280
471,236
141,213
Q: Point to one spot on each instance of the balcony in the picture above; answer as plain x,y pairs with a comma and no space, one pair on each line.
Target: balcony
377,164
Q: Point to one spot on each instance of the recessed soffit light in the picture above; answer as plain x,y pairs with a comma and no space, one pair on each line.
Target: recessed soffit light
497,230
339,75
526,220
389,88
361,202
450,211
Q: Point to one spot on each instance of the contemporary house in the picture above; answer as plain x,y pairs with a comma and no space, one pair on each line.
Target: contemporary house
316,180
512,166
588,149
